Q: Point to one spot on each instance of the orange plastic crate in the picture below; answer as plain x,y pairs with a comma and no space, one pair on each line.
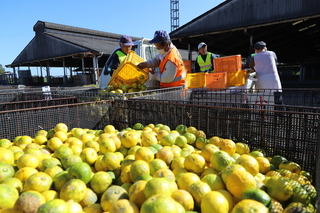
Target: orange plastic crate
216,80
128,70
236,78
196,80
228,63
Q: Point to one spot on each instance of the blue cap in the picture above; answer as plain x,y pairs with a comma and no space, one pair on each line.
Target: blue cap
259,45
126,40
160,36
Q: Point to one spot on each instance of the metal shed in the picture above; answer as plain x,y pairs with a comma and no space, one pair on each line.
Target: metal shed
73,48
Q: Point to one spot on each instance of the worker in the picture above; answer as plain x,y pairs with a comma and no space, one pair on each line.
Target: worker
204,62
264,62
172,71
118,57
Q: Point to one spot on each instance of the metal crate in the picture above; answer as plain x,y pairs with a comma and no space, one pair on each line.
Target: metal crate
292,133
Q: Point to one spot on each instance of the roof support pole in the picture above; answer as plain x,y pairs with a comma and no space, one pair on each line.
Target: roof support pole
84,79
14,76
95,69
48,73
65,79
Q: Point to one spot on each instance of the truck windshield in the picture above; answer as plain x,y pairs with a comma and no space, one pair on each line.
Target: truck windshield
150,51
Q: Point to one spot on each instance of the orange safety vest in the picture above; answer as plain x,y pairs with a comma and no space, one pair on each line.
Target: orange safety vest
180,78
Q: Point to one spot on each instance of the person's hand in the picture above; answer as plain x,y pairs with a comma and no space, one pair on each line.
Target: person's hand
152,70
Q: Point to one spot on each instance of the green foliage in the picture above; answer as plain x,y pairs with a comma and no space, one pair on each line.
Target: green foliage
1,69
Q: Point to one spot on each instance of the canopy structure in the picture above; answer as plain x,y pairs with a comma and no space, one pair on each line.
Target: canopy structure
56,45
290,28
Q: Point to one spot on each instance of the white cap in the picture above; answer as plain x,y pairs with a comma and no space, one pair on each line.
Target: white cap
201,45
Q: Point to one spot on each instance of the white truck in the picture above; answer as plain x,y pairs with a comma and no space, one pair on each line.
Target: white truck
144,49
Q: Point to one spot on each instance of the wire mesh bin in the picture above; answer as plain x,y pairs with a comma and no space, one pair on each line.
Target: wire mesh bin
294,135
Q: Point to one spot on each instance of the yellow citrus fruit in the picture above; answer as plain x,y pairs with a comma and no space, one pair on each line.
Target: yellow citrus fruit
165,154
111,195
264,164
74,206
5,143
62,152
50,195
158,186
47,163
181,141
34,151
54,143
215,140
14,182
125,174
184,198
248,205
77,132
214,201
156,164
136,194
208,170
89,155
60,180
74,189
61,135
61,127
8,196
148,139
279,188
242,148
167,140
228,146
90,197
28,160
41,132
52,171
186,179
86,137
109,129
240,181
229,169
124,205
70,160
55,205
23,141
130,139
29,201
6,171
138,168
165,172
229,197
39,181
92,144
100,181
161,203
198,189
201,142
214,181
24,173
72,141
220,160
194,163
15,149
107,145
249,163
161,133
191,138
110,161
80,170
7,156
144,153
177,162
93,208
76,149
176,150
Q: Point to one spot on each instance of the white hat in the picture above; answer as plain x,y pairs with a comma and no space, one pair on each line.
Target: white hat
201,45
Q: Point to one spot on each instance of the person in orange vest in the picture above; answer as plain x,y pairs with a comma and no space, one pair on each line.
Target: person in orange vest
204,62
125,44
172,71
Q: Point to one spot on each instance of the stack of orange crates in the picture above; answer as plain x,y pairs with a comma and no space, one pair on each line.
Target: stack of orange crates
233,66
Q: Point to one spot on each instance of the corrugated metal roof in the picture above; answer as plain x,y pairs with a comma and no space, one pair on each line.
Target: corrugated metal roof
291,28
55,41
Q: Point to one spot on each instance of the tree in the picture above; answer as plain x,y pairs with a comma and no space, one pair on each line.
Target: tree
1,69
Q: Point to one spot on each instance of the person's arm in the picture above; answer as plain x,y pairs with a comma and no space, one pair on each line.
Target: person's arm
168,75
251,63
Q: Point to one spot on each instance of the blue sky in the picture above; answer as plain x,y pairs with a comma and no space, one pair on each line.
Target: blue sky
136,18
